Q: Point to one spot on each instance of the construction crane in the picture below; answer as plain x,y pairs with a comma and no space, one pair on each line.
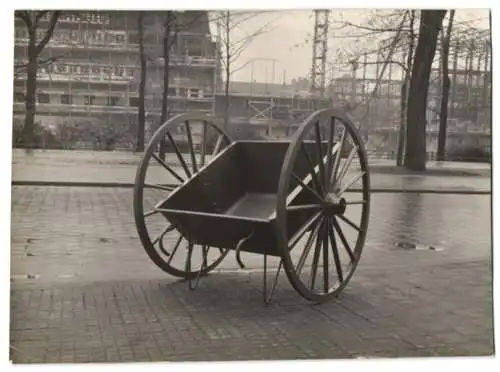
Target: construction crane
320,47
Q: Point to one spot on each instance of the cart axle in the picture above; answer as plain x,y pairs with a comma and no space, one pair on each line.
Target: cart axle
334,205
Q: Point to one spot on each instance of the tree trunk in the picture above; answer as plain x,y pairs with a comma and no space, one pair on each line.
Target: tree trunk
402,125
416,154
404,93
166,70
228,71
30,98
445,91
141,120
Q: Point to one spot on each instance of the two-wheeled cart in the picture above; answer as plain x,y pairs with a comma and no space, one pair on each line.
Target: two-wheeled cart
304,200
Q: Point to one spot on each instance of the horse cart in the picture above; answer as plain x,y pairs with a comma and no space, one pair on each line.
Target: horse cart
304,200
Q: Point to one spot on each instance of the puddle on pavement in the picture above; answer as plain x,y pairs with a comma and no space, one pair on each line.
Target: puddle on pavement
416,246
24,276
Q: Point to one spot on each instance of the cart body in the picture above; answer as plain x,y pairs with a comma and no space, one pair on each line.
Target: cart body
235,197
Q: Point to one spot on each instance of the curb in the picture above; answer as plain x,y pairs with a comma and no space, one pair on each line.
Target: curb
131,185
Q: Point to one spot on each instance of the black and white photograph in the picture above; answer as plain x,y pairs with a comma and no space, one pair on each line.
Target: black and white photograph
242,184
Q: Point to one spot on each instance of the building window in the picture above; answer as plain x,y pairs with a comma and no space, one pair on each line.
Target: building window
84,69
130,72
133,38
66,99
113,101
193,93
134,101
119,71
18,97
172,91
96,70
89,100
43,98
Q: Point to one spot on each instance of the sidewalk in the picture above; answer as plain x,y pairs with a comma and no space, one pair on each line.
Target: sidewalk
83,289
119,168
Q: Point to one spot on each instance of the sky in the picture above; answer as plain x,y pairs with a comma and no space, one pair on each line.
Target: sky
286,48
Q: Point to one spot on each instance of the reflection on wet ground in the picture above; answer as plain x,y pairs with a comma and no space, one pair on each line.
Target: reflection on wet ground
89,233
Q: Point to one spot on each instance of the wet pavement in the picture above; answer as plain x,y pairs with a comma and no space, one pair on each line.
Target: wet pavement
120,167
93,231
83,288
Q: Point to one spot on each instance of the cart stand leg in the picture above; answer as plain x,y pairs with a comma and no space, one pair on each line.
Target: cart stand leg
204,265
268,297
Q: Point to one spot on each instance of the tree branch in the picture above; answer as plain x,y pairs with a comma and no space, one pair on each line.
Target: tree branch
25,17
49,32
39,15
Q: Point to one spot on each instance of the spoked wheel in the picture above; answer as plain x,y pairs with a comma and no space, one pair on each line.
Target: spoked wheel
191,142
332,197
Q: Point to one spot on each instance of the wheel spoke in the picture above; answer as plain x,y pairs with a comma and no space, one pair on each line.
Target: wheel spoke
302,207
336,257
314,177
350,183
151,212
177,244
317,249
337,157
346,165
329,153
162,163
297,178
325,259
203,144
179,155
218,144
349,222
344,240
320,153
300,233
308,246
161,187
352,202
191,147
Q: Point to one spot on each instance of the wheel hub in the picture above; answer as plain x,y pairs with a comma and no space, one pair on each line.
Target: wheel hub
334,205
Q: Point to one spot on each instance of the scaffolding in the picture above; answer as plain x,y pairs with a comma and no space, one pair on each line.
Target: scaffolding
95,70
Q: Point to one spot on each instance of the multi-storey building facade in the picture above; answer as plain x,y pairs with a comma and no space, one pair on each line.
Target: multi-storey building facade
93,71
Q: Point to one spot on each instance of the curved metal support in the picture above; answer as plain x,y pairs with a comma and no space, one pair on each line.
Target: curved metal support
238,248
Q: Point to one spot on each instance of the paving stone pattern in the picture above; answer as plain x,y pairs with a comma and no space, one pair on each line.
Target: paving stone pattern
94,296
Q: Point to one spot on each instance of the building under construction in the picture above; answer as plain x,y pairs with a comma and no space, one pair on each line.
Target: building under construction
92,71
469,103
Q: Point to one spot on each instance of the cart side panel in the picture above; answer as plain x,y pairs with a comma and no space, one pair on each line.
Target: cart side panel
214,189
224,231
262,161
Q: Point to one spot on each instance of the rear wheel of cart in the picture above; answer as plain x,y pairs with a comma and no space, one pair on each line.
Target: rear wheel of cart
191,142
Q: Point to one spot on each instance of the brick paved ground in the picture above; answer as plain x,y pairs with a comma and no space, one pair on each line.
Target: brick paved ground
93,295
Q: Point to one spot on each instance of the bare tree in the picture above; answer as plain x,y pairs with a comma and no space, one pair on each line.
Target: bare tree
230,23
171,28
404,90
31,21
445,90
430,25
141,122
392,32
